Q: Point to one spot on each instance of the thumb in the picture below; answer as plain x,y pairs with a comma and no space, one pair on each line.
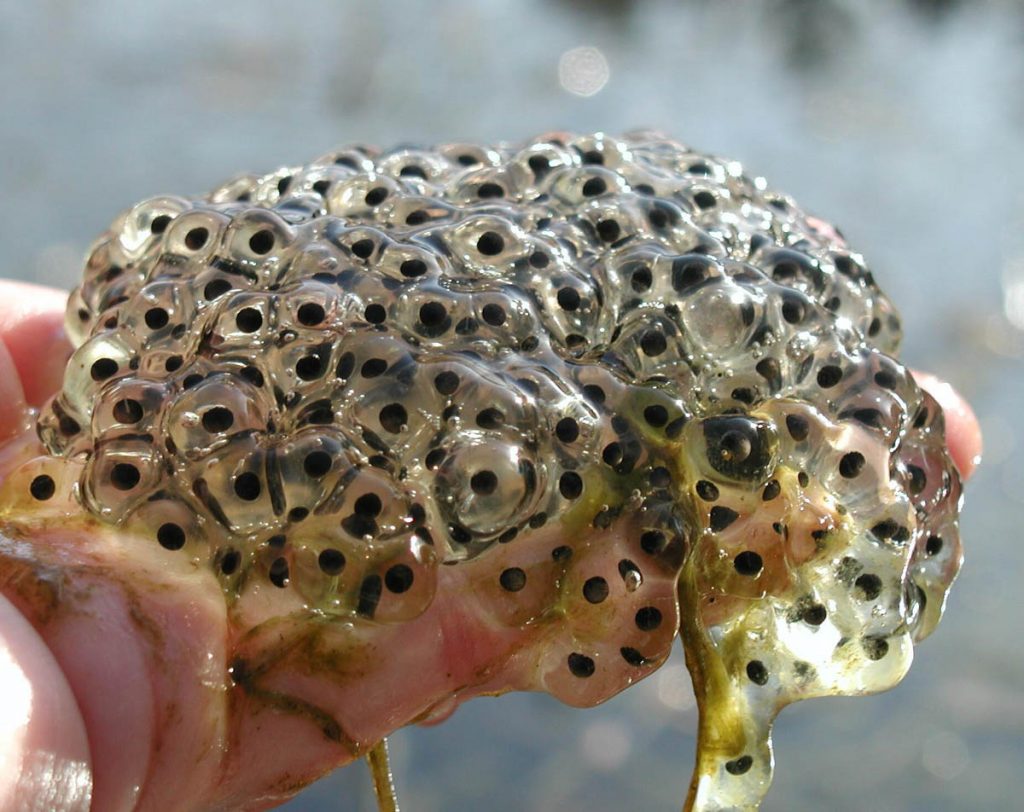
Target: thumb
44,752
31,327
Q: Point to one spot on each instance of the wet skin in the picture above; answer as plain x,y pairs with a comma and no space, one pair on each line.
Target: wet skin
122,703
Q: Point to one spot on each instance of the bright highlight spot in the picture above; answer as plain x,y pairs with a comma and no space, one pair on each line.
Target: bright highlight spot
606,745
583,71
1013,293
675,689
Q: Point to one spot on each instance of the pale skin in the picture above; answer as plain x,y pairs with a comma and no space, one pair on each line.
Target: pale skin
77,690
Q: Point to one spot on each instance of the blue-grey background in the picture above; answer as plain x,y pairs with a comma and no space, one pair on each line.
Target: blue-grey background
901,121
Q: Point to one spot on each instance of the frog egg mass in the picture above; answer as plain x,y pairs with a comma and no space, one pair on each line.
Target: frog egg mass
627,387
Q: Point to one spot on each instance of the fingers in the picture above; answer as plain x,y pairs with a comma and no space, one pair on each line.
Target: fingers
12,396
31,328
44,752
963,434
142,652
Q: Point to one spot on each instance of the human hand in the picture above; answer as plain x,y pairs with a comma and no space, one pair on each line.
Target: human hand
114,694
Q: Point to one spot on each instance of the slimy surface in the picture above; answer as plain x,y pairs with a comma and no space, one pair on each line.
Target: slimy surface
629,389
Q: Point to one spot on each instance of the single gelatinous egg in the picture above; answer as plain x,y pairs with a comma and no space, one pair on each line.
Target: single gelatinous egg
631,391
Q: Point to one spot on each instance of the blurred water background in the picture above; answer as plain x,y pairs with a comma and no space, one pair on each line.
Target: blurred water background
901,121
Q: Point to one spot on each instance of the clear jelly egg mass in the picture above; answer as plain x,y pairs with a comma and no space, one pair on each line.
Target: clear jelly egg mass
629,390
